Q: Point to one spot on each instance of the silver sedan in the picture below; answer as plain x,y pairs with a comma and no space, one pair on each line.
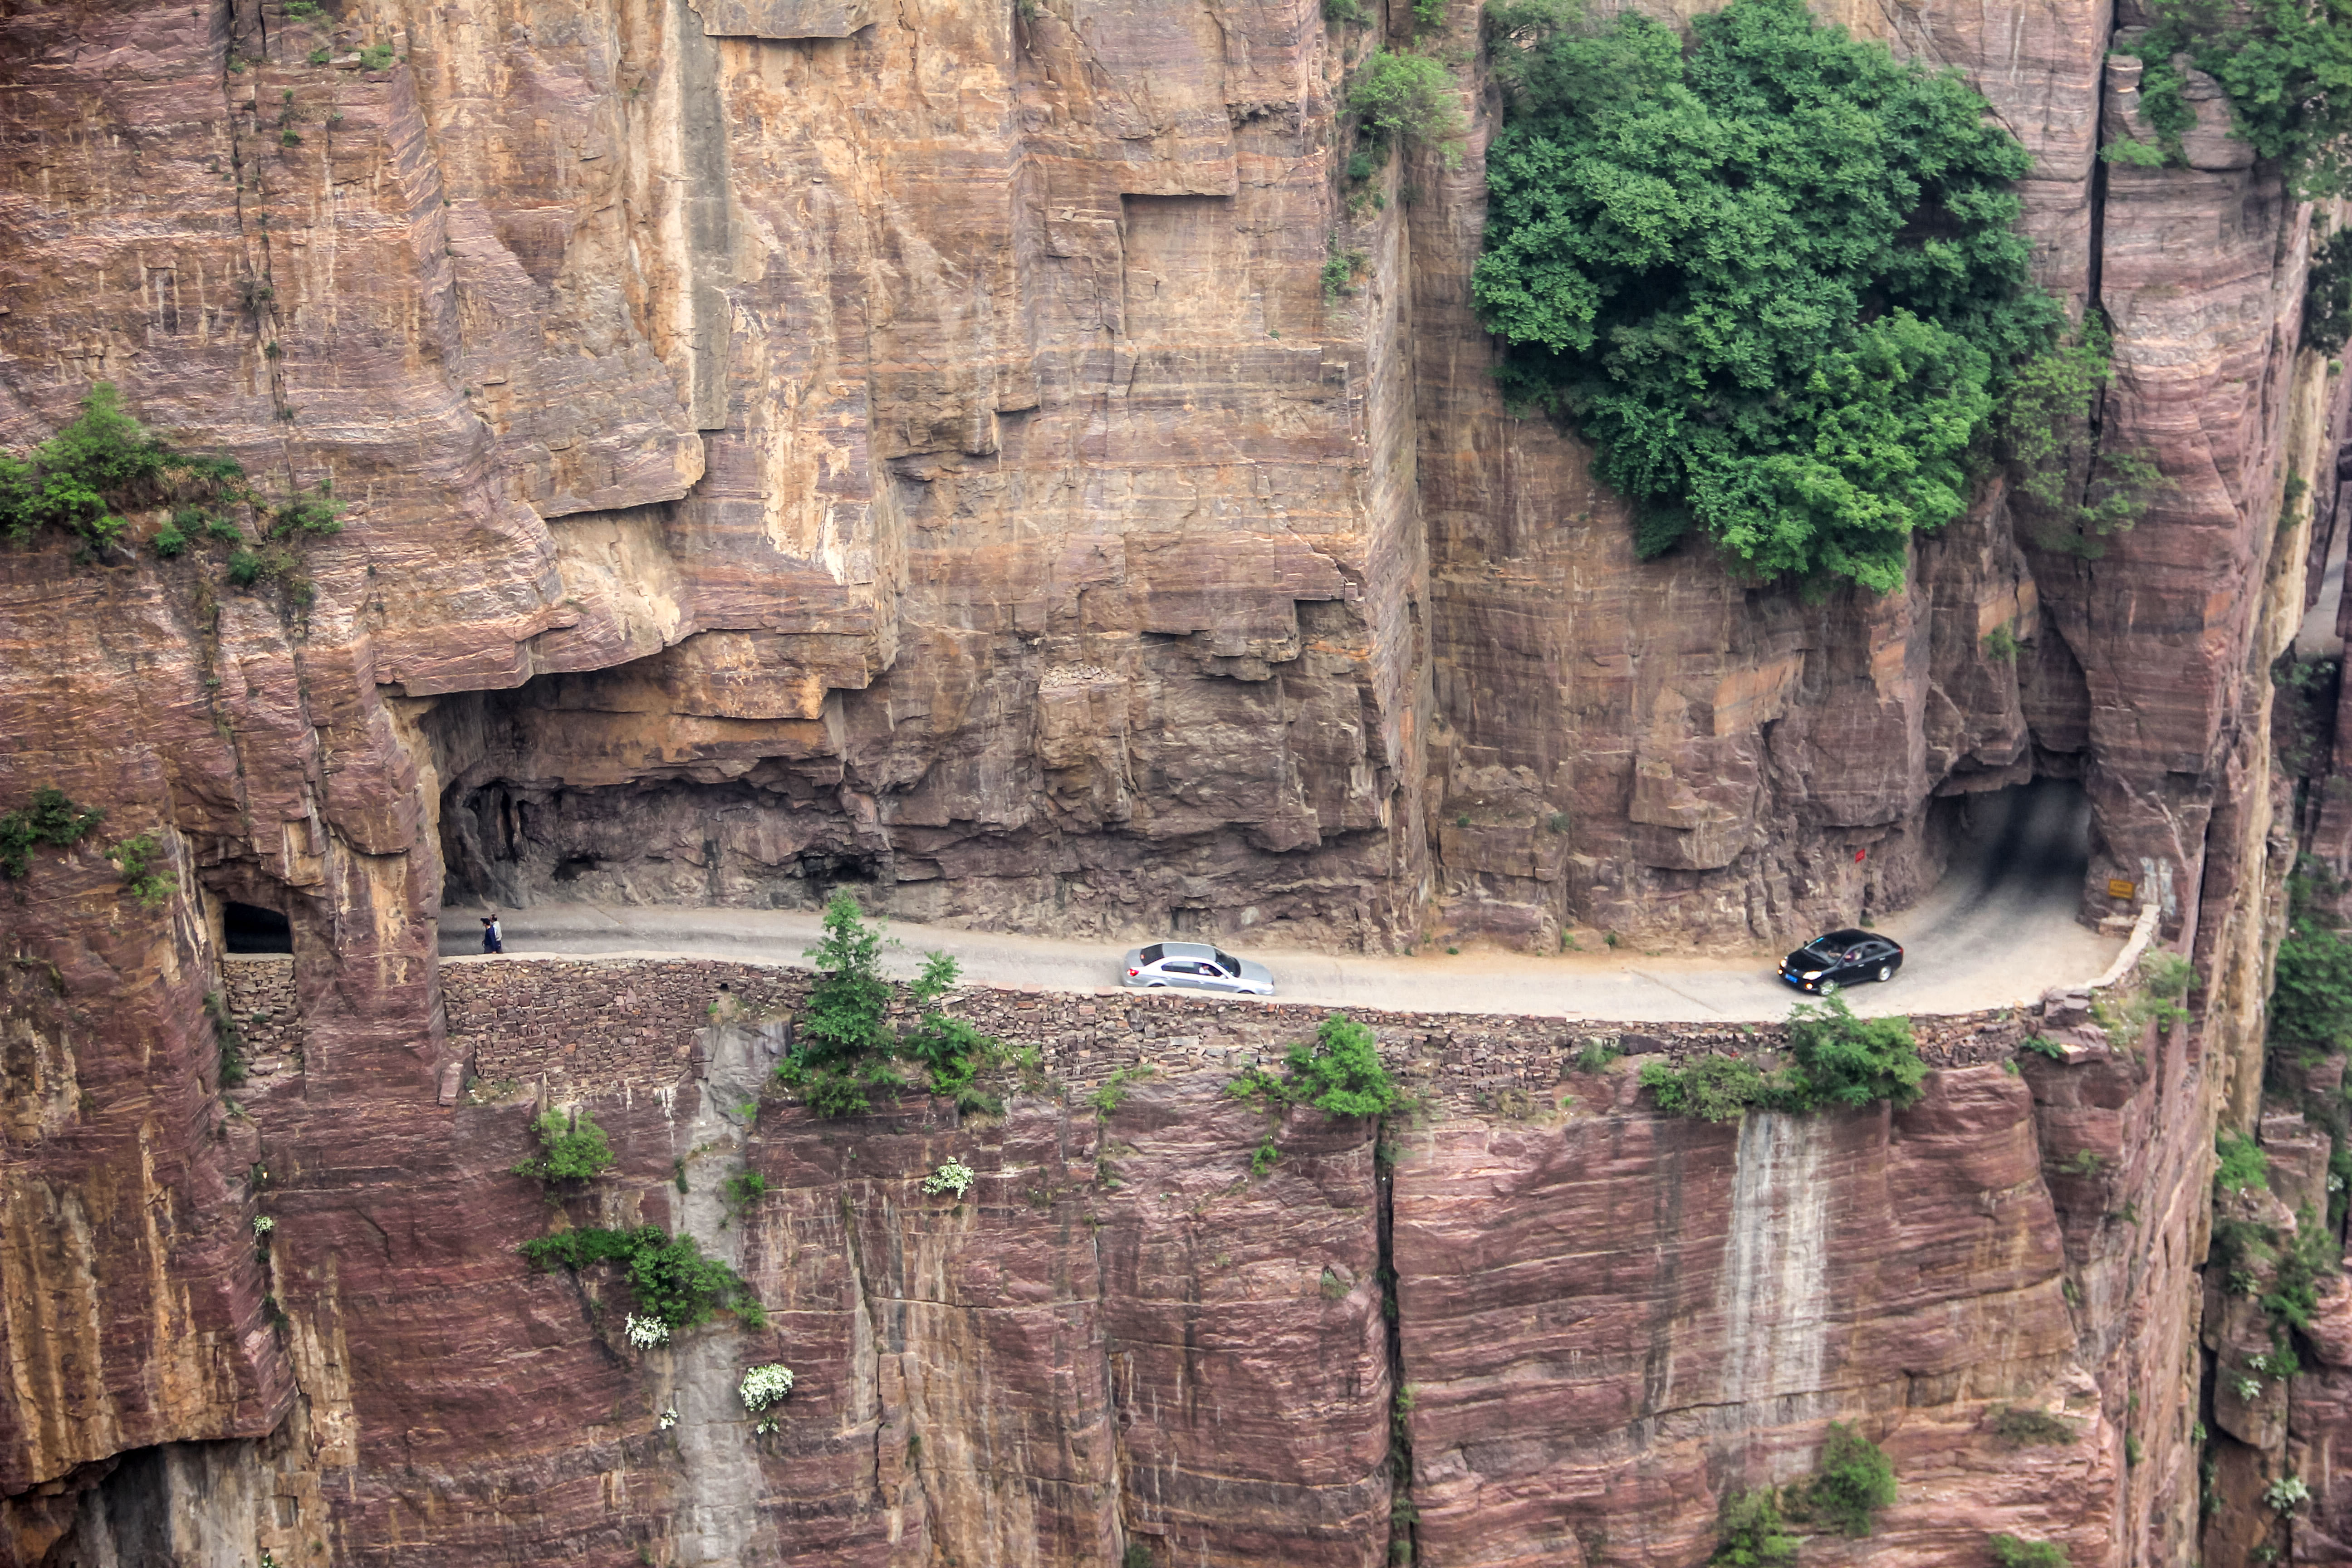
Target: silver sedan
1197,966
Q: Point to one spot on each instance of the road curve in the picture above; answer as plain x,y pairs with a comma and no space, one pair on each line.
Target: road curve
1999,930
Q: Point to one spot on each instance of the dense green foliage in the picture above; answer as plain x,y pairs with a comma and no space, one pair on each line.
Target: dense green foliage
2311,1000
570,1150
51,818
669,1276
1773,279
104,463
2080,489
844,1046
2008,1551
1847,1060
2287,68
1749,1531
1402,95
2241,1167
2327,294
1341,1074
134,857
1850,1483
1853,1481
1835,1059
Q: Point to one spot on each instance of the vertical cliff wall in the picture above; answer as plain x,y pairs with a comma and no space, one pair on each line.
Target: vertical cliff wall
789,444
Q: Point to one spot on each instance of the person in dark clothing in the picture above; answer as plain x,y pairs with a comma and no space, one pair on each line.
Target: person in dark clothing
493,941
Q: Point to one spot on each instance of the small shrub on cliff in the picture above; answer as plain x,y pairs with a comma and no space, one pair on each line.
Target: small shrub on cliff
1341,1074
1749,1530
2327,294
134,858
2031,1428
2076,488
844,1046
2241,1166
1853,1481
2008,1551
1836,1059
1847,1060
1409,95
1775,278
570,1150
669,1276
51,818
1714,1088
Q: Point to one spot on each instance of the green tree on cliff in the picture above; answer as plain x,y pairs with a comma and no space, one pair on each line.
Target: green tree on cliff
844,1045
1774,278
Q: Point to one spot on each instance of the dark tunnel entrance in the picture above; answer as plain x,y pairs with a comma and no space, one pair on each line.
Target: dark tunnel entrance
249,928
2013,881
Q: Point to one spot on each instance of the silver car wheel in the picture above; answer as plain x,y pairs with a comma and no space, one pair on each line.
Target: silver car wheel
1886,971
1829,987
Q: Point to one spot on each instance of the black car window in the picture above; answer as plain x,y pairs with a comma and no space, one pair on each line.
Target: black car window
1153,953
1228,963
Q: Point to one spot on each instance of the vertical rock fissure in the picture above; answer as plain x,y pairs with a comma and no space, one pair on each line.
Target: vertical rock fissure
718,1452
1402,1516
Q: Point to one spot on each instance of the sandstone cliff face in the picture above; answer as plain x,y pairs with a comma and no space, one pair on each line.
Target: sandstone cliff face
791,444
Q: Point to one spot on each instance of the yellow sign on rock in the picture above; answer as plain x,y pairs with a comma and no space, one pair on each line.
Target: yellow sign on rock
2119,888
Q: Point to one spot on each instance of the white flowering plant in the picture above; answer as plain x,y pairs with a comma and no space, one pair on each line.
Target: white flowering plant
766,1386
667,1419
955,1176
646,1333
263,1225
2285,1492
2250,1389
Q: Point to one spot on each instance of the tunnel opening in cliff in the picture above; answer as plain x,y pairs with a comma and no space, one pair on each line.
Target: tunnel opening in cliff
249,928
2017,861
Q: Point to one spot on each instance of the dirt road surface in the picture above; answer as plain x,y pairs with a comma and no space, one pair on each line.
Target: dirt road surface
1999,929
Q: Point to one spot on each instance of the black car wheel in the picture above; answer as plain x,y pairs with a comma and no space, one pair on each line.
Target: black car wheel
1886,971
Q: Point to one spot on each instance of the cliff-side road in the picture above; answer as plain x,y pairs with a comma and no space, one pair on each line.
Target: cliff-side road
1999,928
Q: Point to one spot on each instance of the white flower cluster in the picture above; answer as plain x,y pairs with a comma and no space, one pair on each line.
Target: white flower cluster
2287,1491
955,1176
263,1225
764,1385
667,1419
646,1333
2250,1389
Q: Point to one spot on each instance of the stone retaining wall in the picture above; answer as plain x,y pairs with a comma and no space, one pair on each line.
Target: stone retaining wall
591,1025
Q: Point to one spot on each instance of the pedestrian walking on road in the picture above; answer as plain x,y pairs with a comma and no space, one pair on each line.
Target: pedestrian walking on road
493,940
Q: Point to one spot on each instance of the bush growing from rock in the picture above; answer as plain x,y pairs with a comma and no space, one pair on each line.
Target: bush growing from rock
569,1149
1853,1481
2008,1551
1774,277
1749,1531
1835,1058
844,1046
669,1276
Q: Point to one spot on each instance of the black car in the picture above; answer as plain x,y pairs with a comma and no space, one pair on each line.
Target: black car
1841,958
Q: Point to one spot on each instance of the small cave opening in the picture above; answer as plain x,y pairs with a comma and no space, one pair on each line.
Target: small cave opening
249,928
